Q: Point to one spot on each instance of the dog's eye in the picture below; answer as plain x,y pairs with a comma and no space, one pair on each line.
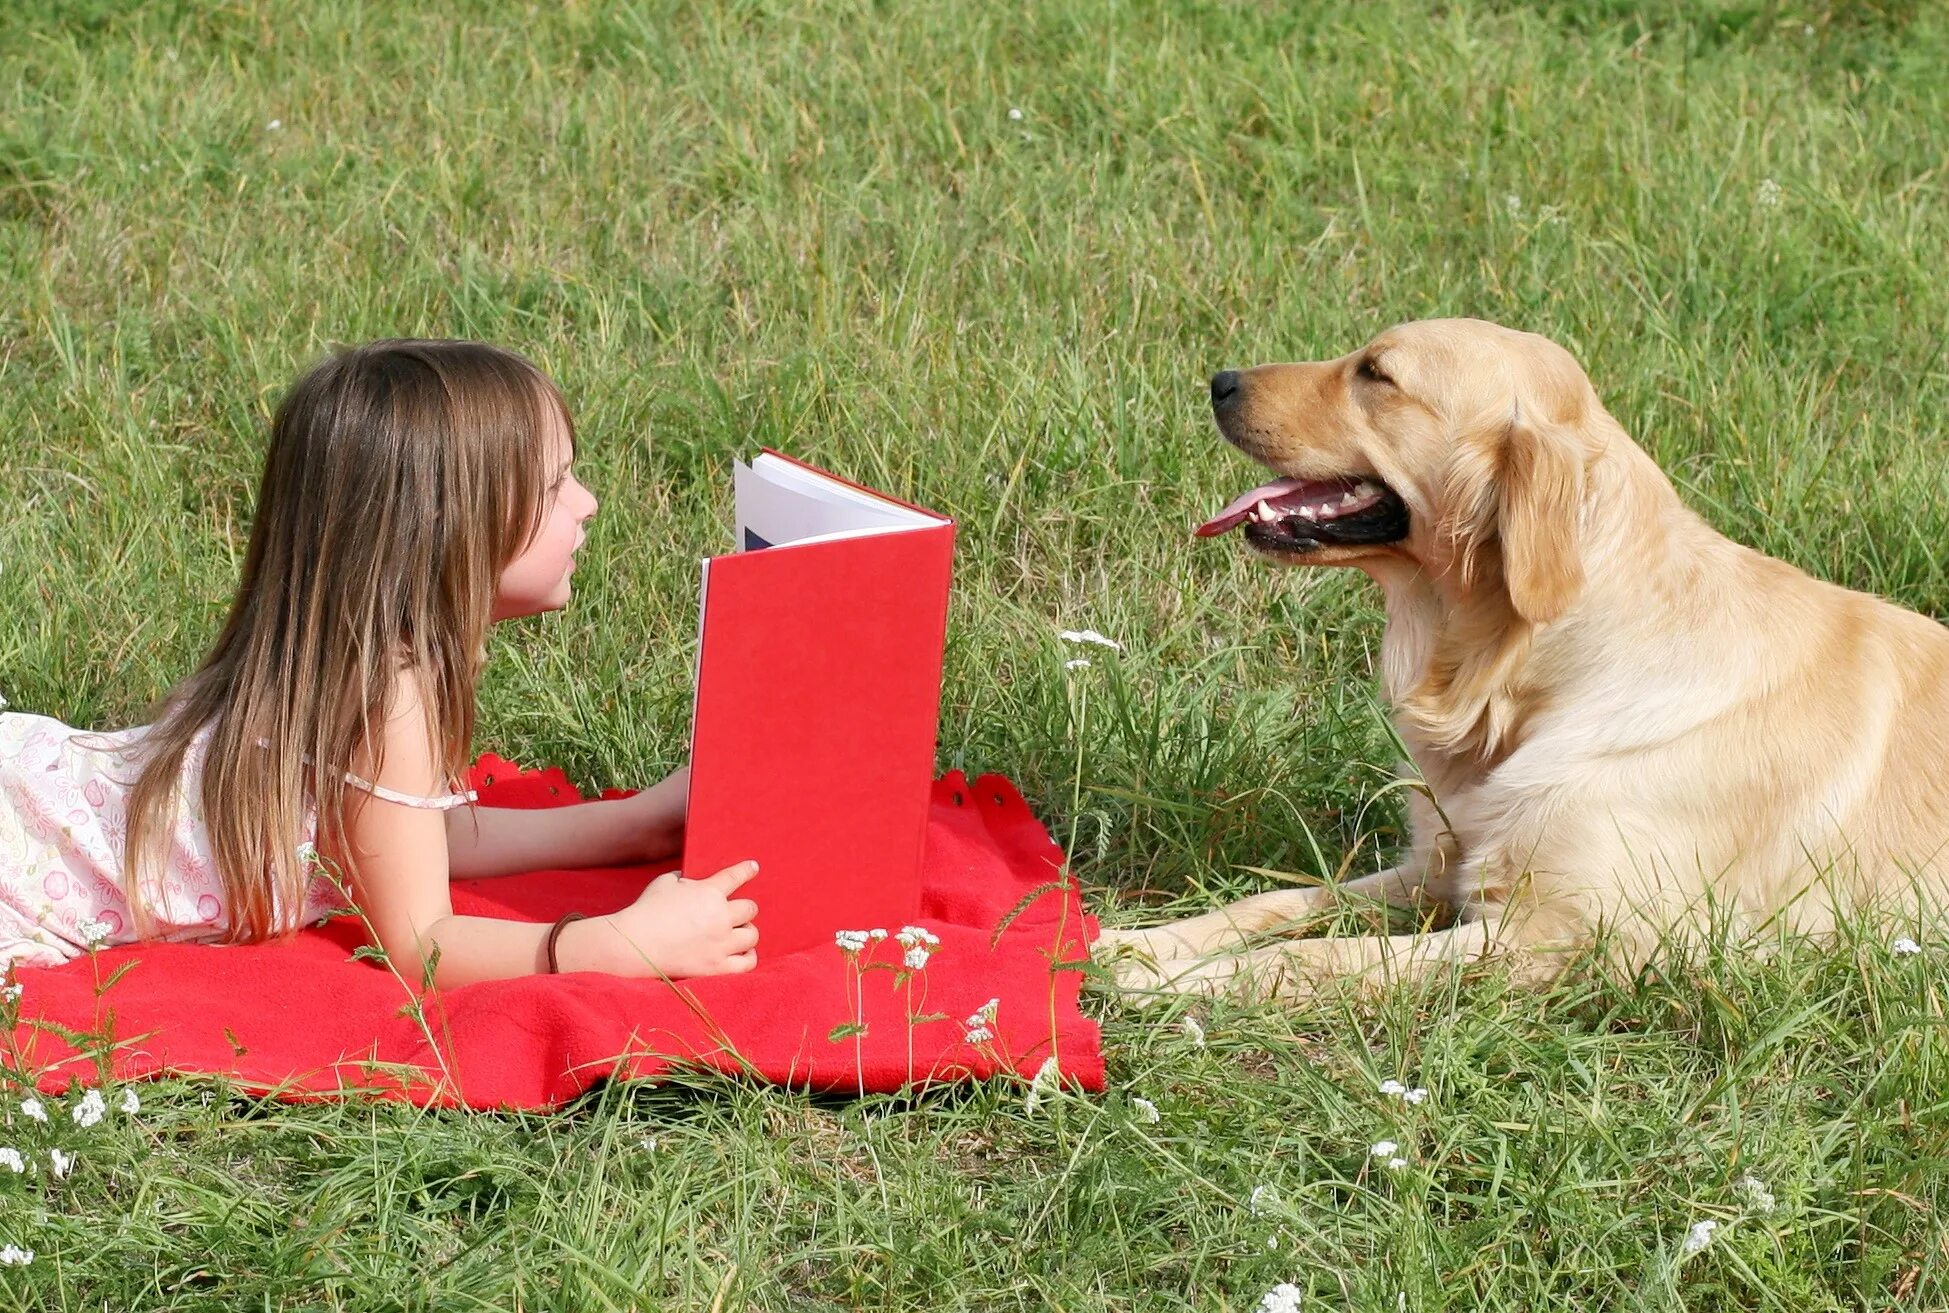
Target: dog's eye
1372,372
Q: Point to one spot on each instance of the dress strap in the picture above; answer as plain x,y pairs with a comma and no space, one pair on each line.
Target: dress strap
440,802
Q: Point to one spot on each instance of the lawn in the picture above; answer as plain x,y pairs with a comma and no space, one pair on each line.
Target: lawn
985,257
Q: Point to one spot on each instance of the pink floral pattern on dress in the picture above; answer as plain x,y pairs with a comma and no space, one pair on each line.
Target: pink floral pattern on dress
63,823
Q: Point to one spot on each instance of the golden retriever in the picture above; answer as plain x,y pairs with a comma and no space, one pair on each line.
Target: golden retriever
1626,724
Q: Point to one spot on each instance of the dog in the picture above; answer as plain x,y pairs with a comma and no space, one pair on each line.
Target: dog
1623,724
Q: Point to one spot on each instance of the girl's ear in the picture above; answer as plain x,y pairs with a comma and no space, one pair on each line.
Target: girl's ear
1540,494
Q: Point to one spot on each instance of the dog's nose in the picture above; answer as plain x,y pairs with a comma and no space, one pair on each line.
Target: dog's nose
1224,389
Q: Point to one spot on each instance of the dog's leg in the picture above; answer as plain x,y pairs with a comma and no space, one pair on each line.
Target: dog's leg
1137,956
1296,968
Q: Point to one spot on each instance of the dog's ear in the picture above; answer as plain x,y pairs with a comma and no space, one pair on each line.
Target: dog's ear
1519,483
1540,493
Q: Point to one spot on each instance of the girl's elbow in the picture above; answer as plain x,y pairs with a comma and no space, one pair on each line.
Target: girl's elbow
415,958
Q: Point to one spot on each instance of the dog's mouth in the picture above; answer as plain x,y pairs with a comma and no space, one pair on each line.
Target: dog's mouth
1304,515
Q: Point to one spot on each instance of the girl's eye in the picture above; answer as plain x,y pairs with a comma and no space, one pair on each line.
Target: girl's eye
1372,372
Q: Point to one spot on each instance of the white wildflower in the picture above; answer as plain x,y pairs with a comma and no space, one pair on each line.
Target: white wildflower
92,932
1261,1199
1080,663
31,1109
849,941
1513,203
1904,947
1014,115
876,934
1047,1077
1282,1298
1393,1087
1416,1095
912,936
62,1163
15,1256
1806,29
1090,636
89,1109
1396,1164
10,1158
1753,1191
1383,1149
915,958
1769,193
1193,1031
1698,1237
274,125
1146,1111
11,993
131,1101
979,1023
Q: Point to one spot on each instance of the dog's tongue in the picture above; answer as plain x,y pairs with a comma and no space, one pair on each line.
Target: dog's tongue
1234,514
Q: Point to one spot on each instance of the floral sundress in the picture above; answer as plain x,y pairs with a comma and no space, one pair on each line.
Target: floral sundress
63,829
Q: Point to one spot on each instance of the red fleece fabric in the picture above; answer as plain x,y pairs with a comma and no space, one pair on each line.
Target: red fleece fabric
302,1018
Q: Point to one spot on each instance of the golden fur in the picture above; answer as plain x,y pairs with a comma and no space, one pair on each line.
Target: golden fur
1625,720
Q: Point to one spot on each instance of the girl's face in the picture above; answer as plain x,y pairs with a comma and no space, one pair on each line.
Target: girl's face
537,579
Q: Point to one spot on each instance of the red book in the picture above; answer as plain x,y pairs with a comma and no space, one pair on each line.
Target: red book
818,701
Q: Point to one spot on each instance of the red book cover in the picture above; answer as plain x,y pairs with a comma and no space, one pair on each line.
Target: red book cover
818,702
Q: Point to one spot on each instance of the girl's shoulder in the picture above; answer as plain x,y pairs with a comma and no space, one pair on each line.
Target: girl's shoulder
406,761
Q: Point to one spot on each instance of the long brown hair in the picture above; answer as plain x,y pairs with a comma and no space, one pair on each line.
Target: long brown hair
402,477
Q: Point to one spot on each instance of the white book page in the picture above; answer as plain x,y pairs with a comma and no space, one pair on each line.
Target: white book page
814,483
697,662
778,503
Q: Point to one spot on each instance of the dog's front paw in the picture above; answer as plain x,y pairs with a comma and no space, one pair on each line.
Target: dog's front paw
1113,944
1239,977
1210,977
1140,967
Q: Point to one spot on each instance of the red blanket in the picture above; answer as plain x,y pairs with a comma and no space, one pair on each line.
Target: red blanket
302,1017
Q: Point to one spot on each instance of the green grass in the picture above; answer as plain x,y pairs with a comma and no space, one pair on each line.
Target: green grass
819,228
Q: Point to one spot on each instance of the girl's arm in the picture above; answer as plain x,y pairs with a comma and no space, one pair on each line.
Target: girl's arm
635,831
398,861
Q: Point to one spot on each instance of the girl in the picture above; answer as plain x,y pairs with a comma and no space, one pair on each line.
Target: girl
415,494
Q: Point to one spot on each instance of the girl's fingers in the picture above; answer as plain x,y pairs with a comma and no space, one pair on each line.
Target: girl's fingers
744,938
733,878
739,963
741,910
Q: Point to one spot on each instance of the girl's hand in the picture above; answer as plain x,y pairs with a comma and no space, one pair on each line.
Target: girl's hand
657,817
676,928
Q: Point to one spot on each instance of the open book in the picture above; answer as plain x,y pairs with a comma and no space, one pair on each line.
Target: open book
818,700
